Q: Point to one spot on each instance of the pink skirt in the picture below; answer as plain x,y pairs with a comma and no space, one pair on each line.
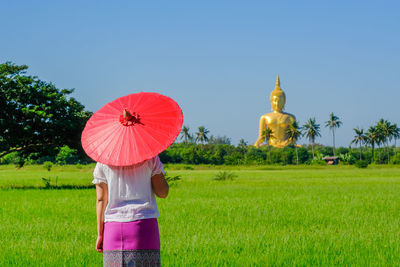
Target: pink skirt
131,243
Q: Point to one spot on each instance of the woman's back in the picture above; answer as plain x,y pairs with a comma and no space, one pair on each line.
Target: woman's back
130,196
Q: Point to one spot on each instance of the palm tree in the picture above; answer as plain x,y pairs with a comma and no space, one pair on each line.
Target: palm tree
312,131
371,137
396,135
201,135
242,146
268,134
242,143
379,141
385,130
391,135
359,138
293,133
333,123
185,135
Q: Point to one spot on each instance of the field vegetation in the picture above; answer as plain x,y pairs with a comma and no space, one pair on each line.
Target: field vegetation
266,215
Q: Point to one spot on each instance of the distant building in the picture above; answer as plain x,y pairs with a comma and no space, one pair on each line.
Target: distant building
331,160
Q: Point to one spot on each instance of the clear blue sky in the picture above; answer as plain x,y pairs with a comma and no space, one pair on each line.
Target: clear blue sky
218,59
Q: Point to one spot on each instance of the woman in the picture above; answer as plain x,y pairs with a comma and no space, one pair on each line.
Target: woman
127,212
124,137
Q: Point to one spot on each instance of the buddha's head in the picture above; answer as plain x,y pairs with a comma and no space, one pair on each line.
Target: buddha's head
278,97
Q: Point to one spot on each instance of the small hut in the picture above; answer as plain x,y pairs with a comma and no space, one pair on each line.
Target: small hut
331,160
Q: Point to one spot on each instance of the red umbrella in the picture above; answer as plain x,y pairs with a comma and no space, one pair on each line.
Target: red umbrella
132,129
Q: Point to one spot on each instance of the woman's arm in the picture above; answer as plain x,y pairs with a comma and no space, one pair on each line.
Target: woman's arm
160,185
101,204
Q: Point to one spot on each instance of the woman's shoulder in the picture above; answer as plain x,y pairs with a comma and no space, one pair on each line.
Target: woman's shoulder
150,163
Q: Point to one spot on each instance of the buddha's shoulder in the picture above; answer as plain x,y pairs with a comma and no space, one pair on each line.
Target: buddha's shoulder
289,115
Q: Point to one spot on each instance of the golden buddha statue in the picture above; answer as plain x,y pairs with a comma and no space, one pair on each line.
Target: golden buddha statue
277,121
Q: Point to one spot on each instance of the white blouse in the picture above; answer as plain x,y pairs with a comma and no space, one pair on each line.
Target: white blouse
130,194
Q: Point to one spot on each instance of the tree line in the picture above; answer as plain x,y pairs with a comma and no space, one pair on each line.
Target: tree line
40,122
243,154
380,134
36,118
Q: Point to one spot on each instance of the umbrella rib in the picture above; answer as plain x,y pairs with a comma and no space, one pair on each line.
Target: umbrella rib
104,140
152,137
139,140
137,101
115,150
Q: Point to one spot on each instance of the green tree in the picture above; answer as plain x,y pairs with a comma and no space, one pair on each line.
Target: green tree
293,133
242,143
219,140
268,134
242,147
386,133
35,116
312,131
392,134
66,155
185,135
379,141
371,137
359,138
333,123
396,135
201,135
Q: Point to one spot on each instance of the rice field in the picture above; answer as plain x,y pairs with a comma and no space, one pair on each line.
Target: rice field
265,216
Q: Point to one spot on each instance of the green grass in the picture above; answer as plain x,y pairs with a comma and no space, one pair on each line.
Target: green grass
31,176
290,216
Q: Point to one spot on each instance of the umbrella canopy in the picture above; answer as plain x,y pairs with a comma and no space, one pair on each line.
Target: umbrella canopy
132,129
